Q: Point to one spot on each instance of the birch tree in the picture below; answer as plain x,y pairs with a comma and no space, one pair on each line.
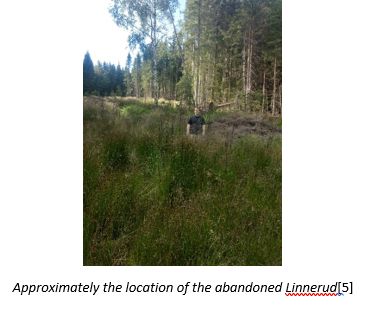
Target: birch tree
146,19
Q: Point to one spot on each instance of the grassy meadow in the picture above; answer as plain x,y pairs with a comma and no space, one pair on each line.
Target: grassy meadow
152,196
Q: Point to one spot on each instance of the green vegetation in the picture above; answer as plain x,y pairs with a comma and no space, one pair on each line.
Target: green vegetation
213,51
154,197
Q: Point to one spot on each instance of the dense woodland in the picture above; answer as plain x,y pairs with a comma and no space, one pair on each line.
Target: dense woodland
222,51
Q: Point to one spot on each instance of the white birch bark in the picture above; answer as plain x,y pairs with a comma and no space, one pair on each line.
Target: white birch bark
274,90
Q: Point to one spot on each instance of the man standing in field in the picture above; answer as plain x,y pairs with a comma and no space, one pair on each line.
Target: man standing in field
196,124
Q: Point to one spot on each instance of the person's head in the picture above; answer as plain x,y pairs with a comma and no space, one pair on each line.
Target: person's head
197,111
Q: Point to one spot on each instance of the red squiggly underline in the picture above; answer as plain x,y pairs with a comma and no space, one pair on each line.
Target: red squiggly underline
307,294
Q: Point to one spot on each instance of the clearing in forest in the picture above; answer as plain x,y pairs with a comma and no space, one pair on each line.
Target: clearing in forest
153,196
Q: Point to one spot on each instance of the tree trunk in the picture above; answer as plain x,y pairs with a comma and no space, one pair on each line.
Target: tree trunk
248,87
224,80
229,77
213,76
154,46
263,91
244,68
249,64
274,90
198,54
181,55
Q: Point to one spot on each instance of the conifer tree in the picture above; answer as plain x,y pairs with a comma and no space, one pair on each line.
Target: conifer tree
88,74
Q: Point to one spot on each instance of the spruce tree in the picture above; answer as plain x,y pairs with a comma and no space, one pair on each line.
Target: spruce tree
88,74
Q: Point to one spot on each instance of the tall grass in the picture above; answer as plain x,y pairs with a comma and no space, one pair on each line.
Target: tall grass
154,197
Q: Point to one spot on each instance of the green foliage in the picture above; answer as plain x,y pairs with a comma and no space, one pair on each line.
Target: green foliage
184,90
146,20
154,197
229,45
136,74
222,47
104,79
88,74
128,81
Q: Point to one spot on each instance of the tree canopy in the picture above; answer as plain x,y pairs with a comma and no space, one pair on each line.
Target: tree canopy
222,51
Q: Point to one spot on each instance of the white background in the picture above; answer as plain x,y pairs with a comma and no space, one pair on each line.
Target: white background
327,167
104,40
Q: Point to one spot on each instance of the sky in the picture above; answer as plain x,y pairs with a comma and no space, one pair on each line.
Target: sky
104,40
